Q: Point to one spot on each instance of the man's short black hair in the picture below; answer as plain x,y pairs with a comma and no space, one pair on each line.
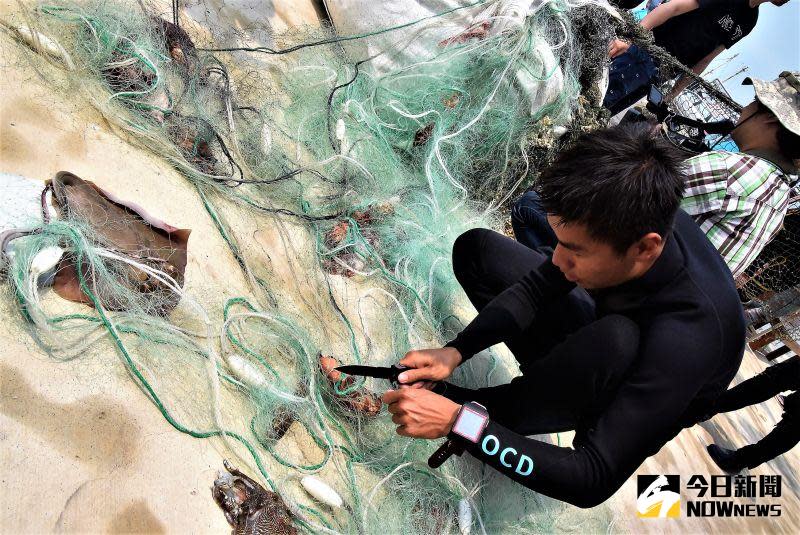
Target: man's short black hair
621,183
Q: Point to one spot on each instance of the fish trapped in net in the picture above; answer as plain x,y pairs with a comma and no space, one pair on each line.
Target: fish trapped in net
249,508
350,242
423,135
179,45
284,416
358,401
135,77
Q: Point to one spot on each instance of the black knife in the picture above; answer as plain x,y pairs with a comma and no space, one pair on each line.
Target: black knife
389,373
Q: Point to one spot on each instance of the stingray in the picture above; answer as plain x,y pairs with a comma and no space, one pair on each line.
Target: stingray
128,231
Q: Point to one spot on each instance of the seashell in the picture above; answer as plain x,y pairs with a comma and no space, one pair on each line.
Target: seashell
321,491
245,371
464,516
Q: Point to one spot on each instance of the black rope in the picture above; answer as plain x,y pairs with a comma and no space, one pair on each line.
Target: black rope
284,211
328,117
176,7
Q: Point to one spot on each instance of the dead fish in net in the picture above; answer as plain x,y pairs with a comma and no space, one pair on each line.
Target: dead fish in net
284,417
362,218
353,259
476,31
360,401
249,508
282,420
423,135
203,148
194,138
451,101
348,260
126,230
179,45
136,82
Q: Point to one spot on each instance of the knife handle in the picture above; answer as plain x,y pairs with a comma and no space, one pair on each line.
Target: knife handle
399,368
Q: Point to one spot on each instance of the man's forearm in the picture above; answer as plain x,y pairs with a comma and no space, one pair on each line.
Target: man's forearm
666,11
511,312
574,476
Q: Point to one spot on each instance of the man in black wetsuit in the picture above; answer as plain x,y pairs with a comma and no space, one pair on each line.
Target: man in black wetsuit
624,319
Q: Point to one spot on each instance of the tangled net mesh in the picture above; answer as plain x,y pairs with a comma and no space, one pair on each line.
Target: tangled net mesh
365,175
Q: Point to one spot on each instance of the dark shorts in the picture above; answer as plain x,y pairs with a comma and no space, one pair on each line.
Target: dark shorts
629,79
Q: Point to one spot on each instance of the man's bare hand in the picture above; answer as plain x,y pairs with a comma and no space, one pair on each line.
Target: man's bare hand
617,47
428,366
420,413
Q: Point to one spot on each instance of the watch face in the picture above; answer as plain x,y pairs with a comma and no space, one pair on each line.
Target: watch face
470,424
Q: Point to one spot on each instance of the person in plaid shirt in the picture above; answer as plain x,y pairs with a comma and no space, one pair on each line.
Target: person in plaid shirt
739,199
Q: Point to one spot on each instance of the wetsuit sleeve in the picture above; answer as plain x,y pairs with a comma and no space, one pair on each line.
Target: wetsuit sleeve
644,415
513,310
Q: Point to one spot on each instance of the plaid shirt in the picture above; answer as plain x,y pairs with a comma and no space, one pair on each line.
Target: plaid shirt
739,201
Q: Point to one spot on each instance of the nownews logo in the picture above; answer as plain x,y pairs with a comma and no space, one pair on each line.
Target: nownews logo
660,496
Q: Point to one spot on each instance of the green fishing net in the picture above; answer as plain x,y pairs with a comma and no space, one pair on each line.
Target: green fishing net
364,174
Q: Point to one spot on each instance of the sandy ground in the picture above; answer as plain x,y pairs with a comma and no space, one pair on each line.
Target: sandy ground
83,450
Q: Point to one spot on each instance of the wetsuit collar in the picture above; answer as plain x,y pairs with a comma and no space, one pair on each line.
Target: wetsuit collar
632,293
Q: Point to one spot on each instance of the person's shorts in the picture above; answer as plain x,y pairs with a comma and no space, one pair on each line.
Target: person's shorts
629,79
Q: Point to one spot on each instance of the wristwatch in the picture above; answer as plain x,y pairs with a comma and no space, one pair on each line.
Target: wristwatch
468,429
